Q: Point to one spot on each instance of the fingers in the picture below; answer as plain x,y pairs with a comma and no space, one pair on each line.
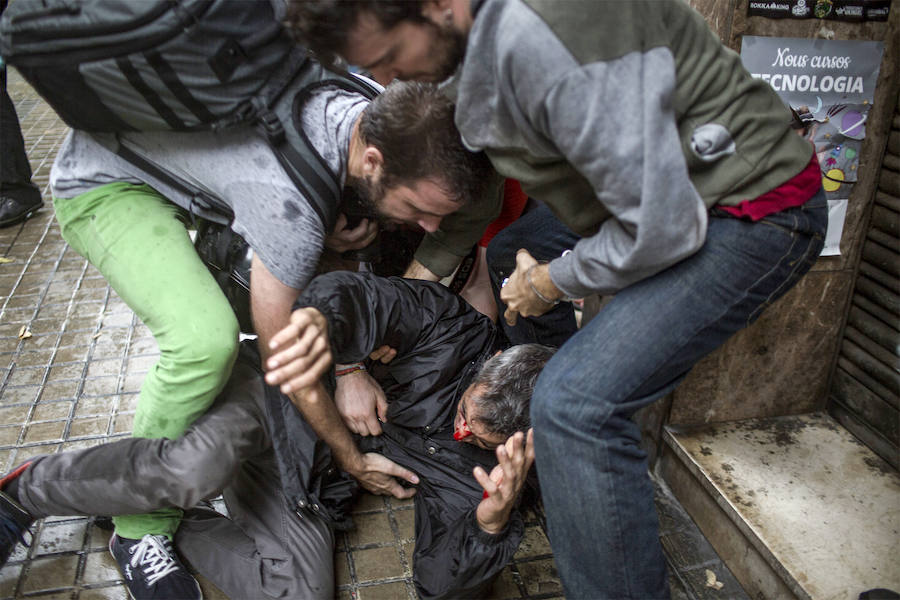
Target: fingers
381,407
484,480
300,364
360,236
398,491
308,376
301,320
385,354
371,425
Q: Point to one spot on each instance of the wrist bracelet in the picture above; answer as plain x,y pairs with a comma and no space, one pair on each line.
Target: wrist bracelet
534,289
350,369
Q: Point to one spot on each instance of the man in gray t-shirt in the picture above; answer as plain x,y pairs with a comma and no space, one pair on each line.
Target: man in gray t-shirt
409,166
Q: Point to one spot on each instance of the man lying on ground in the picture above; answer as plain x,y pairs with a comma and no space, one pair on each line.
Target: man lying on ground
454,429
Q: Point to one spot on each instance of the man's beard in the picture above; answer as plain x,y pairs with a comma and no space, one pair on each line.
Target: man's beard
370,194
450,50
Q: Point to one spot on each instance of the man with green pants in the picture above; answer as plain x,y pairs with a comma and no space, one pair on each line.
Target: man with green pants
132,226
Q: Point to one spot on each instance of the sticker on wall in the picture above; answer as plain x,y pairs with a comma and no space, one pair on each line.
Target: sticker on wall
830,85
838,10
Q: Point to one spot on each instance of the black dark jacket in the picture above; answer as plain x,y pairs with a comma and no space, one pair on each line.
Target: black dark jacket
441,342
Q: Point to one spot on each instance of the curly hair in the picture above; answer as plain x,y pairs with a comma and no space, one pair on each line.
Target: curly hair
322,25
412,126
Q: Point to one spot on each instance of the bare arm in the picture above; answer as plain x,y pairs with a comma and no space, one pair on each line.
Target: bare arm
417,270
270,304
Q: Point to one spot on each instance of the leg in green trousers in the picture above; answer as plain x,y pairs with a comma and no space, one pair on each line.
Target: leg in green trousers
139,242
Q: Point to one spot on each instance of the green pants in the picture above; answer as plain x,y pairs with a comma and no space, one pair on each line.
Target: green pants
138,240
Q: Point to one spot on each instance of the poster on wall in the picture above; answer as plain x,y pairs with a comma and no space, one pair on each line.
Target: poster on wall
838,10
831,86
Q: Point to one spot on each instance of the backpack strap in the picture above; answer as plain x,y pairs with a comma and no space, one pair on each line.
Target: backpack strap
200,199
302,162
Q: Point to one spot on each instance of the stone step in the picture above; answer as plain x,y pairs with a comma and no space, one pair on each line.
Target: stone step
795,506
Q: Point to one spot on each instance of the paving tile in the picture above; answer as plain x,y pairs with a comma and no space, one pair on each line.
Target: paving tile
377,563
9,579
33,358
28,452
98,368
44,432
98,386
5,460
115,592
14,414
369,502
20,394
100,567
535,543
505,587
22,376
94,406
341,569
91,426
123,423
66,371
386,591
371,529
60,537
540,577
71,354
60,390
48,411
405,523
209,589
49,573
9,435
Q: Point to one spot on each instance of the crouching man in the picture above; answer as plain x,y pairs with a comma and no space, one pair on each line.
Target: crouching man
454,429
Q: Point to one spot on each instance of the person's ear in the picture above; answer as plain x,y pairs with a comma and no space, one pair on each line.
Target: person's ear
497,352
373,162
436,11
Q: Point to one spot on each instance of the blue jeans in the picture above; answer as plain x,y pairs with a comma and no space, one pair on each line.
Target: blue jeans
545,237
593,473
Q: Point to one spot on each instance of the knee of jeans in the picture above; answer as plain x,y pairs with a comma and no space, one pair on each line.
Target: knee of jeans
546,407
206,465
215,348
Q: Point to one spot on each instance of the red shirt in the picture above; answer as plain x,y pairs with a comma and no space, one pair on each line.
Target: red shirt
794,192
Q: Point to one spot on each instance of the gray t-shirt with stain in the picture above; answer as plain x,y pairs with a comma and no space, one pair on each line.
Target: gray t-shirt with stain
236,166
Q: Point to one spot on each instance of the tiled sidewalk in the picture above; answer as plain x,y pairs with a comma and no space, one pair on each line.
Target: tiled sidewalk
72,358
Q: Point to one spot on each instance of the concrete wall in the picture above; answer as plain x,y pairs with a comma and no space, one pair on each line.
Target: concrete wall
782,364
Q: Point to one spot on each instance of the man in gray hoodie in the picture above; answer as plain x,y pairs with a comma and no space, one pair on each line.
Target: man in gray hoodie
695,204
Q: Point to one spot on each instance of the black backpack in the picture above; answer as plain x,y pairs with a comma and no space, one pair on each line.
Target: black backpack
181,65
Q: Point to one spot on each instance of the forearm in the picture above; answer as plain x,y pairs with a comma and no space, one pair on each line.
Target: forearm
270,305
321,413
417,270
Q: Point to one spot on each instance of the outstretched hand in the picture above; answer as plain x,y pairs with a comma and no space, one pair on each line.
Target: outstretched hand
301,352
505,481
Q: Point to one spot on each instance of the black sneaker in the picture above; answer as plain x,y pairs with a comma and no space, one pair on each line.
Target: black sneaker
15,210
14,522
152,570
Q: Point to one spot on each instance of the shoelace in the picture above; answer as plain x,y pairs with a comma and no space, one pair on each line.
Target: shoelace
154,557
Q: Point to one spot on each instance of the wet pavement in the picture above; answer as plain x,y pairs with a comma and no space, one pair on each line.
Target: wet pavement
72,358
